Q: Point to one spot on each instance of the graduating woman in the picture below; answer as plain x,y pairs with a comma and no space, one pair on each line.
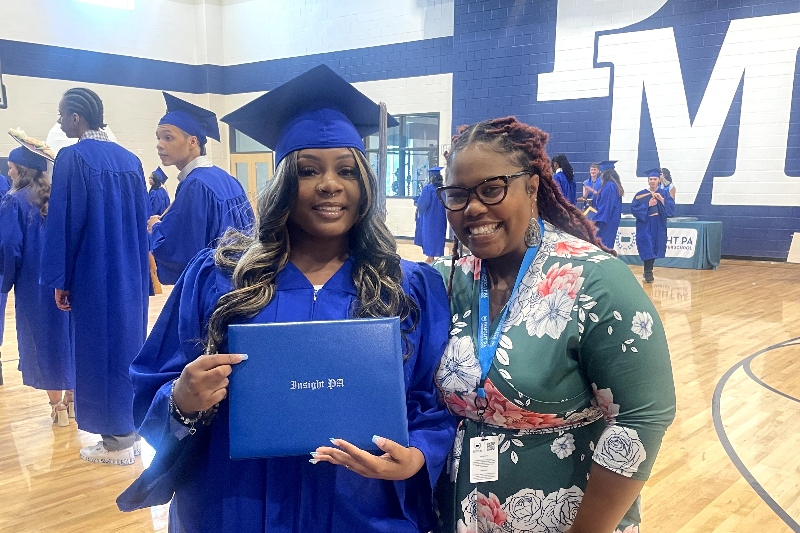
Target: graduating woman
608,203
564,176
652,207
45,354
320,252
666,182
557,357
159,199
432,217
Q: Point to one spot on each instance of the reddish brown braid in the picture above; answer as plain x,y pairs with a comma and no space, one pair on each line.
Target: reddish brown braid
525,145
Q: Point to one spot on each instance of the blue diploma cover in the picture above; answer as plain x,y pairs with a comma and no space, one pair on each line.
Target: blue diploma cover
305,382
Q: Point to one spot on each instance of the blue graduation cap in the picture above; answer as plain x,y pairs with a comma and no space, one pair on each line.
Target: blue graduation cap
654,172
160,175
192,119
318,109
27,158
606,165
435,169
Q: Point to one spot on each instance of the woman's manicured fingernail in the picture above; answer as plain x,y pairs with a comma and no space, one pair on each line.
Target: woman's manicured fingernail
244,356
333,441
314,454
313,461
378,440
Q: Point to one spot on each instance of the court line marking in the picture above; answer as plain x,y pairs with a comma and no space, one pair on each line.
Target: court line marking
726,443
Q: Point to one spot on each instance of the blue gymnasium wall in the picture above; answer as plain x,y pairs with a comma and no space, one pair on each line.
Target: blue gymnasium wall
501,47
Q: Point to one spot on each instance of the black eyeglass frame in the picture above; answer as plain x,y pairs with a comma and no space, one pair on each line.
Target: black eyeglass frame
440,191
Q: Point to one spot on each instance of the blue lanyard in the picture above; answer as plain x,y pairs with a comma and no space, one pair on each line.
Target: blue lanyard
488,346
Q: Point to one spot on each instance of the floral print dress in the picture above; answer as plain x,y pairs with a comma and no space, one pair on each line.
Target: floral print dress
581,374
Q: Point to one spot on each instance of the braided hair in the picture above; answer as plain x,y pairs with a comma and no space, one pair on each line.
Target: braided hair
525,147
85,103
561,162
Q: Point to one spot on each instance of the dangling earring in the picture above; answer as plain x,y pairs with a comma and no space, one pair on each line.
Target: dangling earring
533,235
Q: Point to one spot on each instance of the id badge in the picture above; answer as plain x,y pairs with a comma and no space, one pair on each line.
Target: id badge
483,459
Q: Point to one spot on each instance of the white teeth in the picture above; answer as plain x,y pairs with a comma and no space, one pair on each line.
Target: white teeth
483,230
329,209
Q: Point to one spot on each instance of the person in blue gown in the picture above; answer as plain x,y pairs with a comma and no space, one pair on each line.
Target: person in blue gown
321,252
591,186
564,176
5,185
159,199
95,257
432,217
208,200
608,203
652,207
45,354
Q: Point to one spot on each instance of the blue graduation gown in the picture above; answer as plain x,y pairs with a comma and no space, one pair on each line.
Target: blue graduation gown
216,494
95,246
418,235
5,185
651,223
45,351
567,187
434,222
159,201
608,203
207,203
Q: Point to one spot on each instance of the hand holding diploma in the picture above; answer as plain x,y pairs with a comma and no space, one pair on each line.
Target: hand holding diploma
397,464
203,383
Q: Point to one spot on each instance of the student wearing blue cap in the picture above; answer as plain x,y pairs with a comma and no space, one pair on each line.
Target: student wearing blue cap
652,207
432,217
159,199
208,200
95,257
608,203
564,176
45,356
320,251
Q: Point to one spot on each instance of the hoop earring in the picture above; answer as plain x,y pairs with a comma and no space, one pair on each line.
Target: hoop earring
533,235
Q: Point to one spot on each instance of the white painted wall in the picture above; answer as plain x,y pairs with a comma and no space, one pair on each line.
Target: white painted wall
258,30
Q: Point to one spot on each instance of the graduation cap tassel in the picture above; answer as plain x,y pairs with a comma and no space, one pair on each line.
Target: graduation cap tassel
382,142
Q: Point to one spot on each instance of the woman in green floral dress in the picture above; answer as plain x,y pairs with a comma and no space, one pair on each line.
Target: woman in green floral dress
577,392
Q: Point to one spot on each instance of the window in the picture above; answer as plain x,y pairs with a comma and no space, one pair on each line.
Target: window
412,148
242,144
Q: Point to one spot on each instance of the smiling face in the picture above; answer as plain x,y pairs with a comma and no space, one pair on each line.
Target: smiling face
497,231
175,147
593,171
653,182
328,194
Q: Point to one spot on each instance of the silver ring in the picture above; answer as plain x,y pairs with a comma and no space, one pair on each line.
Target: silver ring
347,466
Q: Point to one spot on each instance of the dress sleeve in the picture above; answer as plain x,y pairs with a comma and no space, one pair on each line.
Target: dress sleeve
66,221
669,204
640,206
603,202
431,427
12,238
624,354
425,199
175,341
182,230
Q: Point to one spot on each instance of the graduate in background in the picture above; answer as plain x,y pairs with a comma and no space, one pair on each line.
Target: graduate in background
208,200
652,207
95,257
321,252
590,187
608,203
159,199
666,182
432,217
45,354
564,175
5,185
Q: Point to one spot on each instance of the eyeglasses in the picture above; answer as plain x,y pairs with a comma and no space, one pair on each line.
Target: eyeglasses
490,191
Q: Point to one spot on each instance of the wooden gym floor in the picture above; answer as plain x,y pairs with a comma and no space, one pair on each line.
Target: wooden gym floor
729,463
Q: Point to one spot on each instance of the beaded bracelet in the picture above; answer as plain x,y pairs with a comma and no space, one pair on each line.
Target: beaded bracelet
189,422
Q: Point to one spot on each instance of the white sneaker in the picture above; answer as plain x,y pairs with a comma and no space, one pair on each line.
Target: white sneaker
99,454
137,448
